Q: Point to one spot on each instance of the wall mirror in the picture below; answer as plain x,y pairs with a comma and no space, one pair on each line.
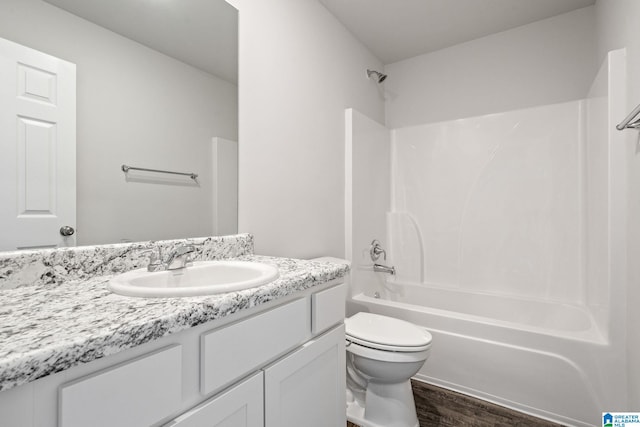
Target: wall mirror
155,87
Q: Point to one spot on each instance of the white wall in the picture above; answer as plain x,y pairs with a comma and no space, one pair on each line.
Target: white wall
368,188
617,27
545,62
299,70
134,106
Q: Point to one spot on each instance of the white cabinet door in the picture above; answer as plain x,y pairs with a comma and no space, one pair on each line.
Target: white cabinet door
240,406
37,148
307,388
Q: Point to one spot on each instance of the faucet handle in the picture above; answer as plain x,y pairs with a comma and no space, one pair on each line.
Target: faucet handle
155,259
376,250
152,251
185,249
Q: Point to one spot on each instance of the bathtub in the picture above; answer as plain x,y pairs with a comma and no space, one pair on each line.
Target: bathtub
537,357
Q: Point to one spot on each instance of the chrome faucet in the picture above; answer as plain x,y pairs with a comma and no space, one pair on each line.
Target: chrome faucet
177,259
375,250
379,268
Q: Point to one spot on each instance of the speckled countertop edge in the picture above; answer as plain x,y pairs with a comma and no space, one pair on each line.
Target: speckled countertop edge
44,329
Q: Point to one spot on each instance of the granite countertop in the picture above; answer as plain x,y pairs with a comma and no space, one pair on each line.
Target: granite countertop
47,329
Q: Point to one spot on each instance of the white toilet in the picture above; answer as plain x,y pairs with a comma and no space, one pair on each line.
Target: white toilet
383,353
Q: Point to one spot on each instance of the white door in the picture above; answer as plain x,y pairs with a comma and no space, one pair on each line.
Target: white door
240,406
37,148
307,388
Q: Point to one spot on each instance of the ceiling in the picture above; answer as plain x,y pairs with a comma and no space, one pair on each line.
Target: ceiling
400,29
201,33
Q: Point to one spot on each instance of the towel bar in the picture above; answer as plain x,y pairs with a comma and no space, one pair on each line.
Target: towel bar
191,175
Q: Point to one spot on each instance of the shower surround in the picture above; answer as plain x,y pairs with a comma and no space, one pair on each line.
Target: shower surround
498,202
507,232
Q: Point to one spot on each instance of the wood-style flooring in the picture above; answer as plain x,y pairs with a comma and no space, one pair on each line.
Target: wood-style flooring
438,407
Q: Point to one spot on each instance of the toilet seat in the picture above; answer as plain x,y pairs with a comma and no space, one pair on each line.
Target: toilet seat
383,347
386,333
386,355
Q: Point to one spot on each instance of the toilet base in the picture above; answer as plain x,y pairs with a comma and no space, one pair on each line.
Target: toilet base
391,405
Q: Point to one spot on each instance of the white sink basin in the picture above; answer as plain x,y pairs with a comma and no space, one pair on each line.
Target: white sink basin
201,278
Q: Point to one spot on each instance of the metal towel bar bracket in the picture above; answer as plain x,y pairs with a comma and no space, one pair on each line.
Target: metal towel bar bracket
191,175
627,122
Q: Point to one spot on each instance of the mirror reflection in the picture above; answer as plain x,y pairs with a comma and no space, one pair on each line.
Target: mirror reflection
155,87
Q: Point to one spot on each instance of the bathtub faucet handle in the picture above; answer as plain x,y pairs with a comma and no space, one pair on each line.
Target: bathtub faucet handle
376,250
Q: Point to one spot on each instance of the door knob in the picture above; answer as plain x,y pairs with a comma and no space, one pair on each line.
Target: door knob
67,230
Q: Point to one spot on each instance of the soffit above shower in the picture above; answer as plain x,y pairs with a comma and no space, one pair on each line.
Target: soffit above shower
397,30
201,33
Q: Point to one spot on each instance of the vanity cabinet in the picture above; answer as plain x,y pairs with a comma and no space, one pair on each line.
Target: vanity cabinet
277,365
304,388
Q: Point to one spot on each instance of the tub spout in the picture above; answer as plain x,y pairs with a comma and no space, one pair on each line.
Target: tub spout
379,268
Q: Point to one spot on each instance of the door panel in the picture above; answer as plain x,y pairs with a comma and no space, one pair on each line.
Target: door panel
307,388
240,406
37,148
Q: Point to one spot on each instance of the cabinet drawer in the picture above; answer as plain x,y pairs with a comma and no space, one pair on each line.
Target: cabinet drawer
233,351
327,308
137,393
240,406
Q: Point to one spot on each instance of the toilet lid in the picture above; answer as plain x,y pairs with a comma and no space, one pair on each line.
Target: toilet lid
386,333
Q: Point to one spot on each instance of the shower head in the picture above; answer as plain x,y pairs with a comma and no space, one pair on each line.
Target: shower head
378,75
